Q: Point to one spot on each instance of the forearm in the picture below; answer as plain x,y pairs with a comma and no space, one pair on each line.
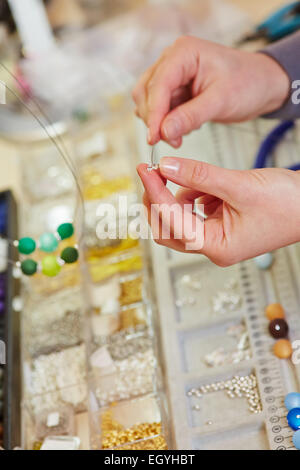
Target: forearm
287,53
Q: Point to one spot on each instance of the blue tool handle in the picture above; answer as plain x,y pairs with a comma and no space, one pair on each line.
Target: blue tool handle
284,29
277,17
282,23
270,142
295,167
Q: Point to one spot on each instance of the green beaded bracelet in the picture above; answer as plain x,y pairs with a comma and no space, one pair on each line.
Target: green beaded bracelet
48,242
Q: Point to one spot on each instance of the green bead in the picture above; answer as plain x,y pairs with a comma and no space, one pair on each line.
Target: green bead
48,242
29,267
65,231
26,245
81,115
69,255
50,266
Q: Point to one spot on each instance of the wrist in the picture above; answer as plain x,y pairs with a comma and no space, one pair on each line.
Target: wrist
277,82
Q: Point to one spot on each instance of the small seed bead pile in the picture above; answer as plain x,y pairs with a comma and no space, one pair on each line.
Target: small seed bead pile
59,377
133,377
125,343
103,271
37,445
95,186
132,317
131,291
114,435
237,387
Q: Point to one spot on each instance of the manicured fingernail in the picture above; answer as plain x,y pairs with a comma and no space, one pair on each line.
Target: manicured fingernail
175,143
171,129
169,166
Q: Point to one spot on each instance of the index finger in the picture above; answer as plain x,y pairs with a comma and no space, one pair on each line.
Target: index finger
176,70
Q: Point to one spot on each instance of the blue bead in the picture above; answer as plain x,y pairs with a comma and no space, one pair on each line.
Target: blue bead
296,439
292,400
293,418
264,261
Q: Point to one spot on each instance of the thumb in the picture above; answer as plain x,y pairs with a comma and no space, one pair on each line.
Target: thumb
210,179
191,115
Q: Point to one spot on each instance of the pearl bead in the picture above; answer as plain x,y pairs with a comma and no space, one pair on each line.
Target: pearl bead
273,311
264,261
50,266
293,418
296,439
278,328
292,400
48,242
283,349
26,246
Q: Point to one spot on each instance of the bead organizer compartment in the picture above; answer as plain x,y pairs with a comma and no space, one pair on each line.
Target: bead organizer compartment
122,362
55,414
122,359
48,329
127,262
215,346
222,299
131,425
105,246
45,174
209,402
69,356
46,215
55,371
118,303
105,171
123,378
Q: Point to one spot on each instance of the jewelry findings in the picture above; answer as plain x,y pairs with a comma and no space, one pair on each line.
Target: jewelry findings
237,387
241,352
152,165
227,300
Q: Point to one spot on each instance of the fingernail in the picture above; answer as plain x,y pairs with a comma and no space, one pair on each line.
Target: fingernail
169,166
171,129
149,136
175,143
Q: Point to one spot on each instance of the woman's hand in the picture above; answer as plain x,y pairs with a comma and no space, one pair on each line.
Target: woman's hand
196,81
248,212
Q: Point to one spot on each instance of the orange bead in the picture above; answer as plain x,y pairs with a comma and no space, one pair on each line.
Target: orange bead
283,349
273,311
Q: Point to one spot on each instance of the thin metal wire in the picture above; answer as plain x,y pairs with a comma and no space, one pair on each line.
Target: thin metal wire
62,151
152,165
152,156
41,110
